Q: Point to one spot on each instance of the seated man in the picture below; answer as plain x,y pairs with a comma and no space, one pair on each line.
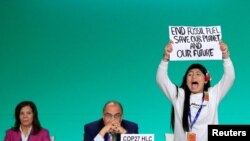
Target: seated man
110,126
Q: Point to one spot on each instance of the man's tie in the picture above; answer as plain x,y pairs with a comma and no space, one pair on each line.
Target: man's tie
112,137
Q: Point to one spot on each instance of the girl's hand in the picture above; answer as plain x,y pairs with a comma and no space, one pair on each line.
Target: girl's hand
167,50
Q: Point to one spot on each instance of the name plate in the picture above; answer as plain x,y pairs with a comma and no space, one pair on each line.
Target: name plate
137,137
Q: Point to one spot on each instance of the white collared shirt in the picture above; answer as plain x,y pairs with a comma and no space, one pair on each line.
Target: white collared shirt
25,138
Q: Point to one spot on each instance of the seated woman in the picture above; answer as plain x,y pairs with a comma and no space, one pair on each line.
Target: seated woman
27,126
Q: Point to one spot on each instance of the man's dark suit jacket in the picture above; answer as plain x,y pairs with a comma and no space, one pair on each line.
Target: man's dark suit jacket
93,128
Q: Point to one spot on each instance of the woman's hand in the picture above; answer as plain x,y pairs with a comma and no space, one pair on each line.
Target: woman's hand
167,50
224,50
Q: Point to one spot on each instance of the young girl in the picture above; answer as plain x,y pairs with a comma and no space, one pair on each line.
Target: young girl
195,103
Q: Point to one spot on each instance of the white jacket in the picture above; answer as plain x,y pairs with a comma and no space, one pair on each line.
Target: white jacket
209,112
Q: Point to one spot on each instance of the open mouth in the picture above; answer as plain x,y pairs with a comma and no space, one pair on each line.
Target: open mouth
195,84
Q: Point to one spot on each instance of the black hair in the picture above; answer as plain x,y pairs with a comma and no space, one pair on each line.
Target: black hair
35,124
186,104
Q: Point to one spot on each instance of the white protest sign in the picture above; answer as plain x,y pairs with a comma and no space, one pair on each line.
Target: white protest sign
195,43
137,137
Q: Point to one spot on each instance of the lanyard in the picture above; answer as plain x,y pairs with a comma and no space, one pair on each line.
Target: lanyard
197,114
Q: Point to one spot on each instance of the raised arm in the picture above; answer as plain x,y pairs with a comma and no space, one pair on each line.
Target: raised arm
228,77
162,77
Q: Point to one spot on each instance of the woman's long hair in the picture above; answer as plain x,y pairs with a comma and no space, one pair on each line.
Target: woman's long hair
35,124
186,105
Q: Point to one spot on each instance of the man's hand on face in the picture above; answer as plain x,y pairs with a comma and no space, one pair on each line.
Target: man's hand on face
112,127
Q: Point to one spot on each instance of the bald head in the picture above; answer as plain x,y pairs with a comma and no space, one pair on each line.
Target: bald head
112,104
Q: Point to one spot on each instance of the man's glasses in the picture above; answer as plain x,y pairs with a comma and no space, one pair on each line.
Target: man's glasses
109,116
